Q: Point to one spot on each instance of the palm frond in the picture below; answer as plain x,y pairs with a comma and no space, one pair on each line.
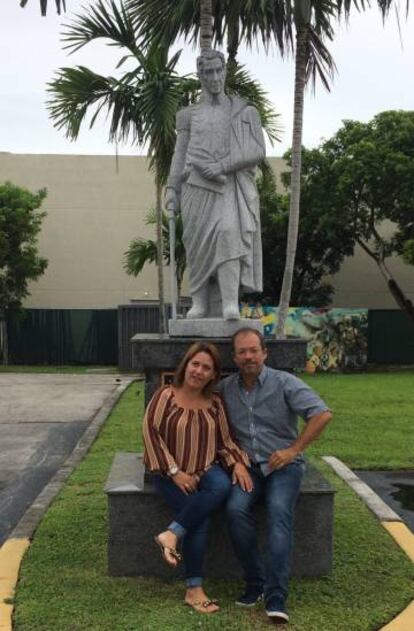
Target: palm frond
75,91
239,81
60,4
320,62
102,20
139,252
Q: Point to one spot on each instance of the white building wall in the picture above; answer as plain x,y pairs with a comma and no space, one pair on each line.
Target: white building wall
95,208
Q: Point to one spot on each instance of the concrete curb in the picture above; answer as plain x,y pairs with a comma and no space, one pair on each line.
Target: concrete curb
389,520
371,499
15,546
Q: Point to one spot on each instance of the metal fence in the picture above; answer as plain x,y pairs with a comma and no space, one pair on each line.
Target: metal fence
390,337
102,336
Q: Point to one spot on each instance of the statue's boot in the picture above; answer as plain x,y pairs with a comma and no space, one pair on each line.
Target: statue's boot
200,305
229,280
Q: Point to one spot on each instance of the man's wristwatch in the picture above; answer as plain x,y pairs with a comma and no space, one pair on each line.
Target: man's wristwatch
172,471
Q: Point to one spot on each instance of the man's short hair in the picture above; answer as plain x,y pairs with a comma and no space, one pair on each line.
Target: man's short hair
243,331
209,55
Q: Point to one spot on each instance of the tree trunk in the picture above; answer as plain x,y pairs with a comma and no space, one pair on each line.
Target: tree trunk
233,37
300,80
160,260
4,342
206,25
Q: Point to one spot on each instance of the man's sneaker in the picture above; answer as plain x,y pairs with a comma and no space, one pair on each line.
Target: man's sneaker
250,598
276,612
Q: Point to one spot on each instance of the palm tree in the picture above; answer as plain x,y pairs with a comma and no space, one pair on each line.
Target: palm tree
60,4
142,104
142,251
294,25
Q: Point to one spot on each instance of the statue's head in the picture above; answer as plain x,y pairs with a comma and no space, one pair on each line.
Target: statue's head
211,70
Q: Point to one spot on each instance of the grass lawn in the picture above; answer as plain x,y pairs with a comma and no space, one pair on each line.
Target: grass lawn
64,586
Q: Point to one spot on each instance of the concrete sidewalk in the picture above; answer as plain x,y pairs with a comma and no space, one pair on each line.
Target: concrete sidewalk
42,417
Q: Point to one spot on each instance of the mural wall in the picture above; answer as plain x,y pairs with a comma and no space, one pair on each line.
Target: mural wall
337,339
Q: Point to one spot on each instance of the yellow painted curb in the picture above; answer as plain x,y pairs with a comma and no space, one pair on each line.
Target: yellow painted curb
403,622
405,539
403,536
5,617
11,555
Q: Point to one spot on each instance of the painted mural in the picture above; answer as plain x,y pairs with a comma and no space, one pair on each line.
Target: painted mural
337,339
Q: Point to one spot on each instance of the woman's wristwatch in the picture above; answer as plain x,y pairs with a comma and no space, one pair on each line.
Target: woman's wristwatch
172,471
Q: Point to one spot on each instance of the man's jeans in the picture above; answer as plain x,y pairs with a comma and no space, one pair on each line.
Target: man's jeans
192,513
279,490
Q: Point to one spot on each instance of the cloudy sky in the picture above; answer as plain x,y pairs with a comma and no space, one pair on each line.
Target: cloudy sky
375,73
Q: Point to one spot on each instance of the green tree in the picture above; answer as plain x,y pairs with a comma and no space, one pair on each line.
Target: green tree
408,252
324,239
141,104
366,172
143,251
20,224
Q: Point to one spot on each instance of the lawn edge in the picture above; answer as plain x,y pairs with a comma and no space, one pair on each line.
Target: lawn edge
390,521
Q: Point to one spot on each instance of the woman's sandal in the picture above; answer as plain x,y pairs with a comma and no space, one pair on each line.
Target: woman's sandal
167,550
202,605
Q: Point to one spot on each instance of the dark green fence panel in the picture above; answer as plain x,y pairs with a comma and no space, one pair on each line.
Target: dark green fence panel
390,337
64,336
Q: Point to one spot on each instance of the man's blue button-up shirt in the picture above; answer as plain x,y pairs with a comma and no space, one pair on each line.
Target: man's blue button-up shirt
265,418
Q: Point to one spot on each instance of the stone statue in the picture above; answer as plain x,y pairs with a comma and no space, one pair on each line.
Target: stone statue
212,179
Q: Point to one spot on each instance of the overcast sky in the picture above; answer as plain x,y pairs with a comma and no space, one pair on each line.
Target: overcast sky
375,73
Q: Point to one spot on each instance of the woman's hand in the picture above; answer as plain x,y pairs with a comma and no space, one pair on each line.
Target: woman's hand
185,482
242,477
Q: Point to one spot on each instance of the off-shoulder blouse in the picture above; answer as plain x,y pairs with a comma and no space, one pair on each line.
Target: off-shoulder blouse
192,439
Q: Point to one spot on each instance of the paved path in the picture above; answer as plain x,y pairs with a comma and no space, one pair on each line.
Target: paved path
42,417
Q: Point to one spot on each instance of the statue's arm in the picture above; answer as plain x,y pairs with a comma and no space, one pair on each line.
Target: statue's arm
251,144
173,188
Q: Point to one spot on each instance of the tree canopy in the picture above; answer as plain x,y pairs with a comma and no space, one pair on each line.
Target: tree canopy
366,173
20,224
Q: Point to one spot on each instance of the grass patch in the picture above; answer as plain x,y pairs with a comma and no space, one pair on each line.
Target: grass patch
373,419
64,586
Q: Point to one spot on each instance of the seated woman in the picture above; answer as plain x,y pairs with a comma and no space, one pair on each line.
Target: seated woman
189,448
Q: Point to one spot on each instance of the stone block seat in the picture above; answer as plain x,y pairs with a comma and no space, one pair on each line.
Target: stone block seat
136,513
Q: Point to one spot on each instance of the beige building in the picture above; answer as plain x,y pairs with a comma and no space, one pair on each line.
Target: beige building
96,205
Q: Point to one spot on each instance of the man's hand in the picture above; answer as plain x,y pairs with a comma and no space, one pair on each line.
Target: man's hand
281,458
187,483
210,170
171,200
241,476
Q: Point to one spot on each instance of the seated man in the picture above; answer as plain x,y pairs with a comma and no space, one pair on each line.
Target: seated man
263,406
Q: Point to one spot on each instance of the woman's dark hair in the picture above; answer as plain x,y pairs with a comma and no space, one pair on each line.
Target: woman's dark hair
199,347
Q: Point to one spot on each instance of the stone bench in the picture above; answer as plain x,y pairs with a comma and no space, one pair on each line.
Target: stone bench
136,513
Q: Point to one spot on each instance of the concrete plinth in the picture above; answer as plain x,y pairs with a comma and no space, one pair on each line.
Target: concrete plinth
210,327
136,513
157,356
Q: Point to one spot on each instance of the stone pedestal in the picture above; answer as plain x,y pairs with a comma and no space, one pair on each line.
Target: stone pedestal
136,513
157,356
210,327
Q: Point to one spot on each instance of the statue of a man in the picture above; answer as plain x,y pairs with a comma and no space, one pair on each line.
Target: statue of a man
212,179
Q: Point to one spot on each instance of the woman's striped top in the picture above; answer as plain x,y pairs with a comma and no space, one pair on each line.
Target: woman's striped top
192,439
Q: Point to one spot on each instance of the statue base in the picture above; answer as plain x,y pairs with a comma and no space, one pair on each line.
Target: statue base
210,327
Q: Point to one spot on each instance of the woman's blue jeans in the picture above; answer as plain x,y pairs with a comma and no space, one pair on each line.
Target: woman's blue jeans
192,513
279,490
